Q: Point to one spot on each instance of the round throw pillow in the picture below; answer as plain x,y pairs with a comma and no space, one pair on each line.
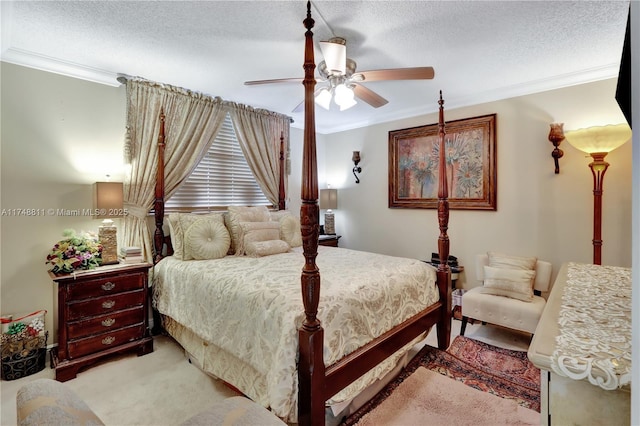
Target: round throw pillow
290,230
206,239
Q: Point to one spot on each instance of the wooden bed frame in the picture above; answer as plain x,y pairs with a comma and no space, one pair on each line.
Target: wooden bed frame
318,383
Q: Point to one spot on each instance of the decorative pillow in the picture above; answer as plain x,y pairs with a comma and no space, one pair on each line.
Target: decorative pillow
179,223
176,235
237,214
289,227
266,248
290,230
514,283
251,232
277,215
206,239
500,260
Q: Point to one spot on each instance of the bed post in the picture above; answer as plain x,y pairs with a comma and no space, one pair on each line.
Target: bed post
158,204
444,273
281,188
311,370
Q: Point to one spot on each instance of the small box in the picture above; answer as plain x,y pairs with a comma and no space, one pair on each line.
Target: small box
456,297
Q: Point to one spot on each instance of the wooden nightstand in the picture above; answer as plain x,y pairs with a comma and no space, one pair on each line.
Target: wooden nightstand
329,240
101,312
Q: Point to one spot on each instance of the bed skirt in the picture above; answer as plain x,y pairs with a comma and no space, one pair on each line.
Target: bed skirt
217,362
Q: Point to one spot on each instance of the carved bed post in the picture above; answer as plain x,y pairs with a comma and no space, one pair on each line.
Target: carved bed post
281,188
444,272
158,205
311,370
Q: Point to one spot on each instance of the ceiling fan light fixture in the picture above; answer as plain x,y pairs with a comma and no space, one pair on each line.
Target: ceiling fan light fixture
347,104
323,98
335,56
344,97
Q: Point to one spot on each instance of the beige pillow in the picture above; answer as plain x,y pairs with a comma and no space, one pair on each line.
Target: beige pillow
238,214
252,232
179,223
290,231
289,227
266,248
501,260
277,215
514,283
206,239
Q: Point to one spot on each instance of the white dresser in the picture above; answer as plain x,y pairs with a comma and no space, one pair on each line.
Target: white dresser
577,401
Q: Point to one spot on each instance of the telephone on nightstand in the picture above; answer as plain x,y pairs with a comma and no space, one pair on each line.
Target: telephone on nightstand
452,261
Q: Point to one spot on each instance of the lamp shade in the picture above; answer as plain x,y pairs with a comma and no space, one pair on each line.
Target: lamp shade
108,199
334,52
328,199
599,138
323,98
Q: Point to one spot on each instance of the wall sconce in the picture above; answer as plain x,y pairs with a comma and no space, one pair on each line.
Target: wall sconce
356,159
598,142
108,203
329,201
556,136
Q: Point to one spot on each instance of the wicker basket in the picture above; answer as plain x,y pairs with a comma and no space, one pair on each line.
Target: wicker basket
23,357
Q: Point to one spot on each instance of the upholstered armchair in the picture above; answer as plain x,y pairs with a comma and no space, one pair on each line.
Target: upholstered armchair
511,292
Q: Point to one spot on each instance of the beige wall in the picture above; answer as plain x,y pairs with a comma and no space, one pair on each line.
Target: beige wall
59,135
539,213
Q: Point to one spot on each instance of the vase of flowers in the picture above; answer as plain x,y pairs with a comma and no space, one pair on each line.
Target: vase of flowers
82,251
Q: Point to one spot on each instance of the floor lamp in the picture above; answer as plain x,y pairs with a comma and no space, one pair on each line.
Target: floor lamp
598,142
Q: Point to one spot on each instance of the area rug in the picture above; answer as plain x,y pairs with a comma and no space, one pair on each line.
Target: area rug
498,372
429,398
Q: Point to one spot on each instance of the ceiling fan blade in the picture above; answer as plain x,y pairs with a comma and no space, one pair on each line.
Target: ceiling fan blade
369,96
277,80
417,73
299,107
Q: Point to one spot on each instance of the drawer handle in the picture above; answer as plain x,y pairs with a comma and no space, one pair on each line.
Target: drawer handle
108,340
108,322
108,286
109,304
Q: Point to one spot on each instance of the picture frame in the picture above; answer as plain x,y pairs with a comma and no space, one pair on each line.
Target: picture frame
471,165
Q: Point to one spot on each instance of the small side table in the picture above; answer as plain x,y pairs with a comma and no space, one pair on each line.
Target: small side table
329,240
101,312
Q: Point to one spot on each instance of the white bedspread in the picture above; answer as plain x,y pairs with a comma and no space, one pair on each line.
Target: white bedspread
251,308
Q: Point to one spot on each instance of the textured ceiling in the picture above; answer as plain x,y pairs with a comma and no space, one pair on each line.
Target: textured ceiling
481,50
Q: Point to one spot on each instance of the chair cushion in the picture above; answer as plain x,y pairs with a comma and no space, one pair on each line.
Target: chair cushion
543,272
504,311
501,260
515,283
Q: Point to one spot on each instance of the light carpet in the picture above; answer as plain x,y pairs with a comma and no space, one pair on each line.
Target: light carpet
429,398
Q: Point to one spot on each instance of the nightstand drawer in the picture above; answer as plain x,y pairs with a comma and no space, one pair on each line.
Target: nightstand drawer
105,323
105,286
103,305
100,342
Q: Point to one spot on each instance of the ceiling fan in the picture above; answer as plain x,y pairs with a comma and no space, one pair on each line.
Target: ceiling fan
340,81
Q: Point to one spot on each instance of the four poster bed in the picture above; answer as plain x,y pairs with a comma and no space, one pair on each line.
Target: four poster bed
269,326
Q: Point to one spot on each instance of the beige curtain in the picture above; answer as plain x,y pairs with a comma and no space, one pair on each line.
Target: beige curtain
192,121
259,133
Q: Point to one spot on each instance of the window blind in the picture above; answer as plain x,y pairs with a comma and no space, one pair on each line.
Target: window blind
221,179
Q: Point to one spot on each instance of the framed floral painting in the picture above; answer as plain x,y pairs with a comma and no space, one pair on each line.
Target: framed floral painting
470,165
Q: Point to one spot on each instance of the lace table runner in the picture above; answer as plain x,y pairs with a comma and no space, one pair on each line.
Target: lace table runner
594,321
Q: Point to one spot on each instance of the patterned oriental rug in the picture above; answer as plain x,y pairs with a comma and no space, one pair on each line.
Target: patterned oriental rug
505,373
